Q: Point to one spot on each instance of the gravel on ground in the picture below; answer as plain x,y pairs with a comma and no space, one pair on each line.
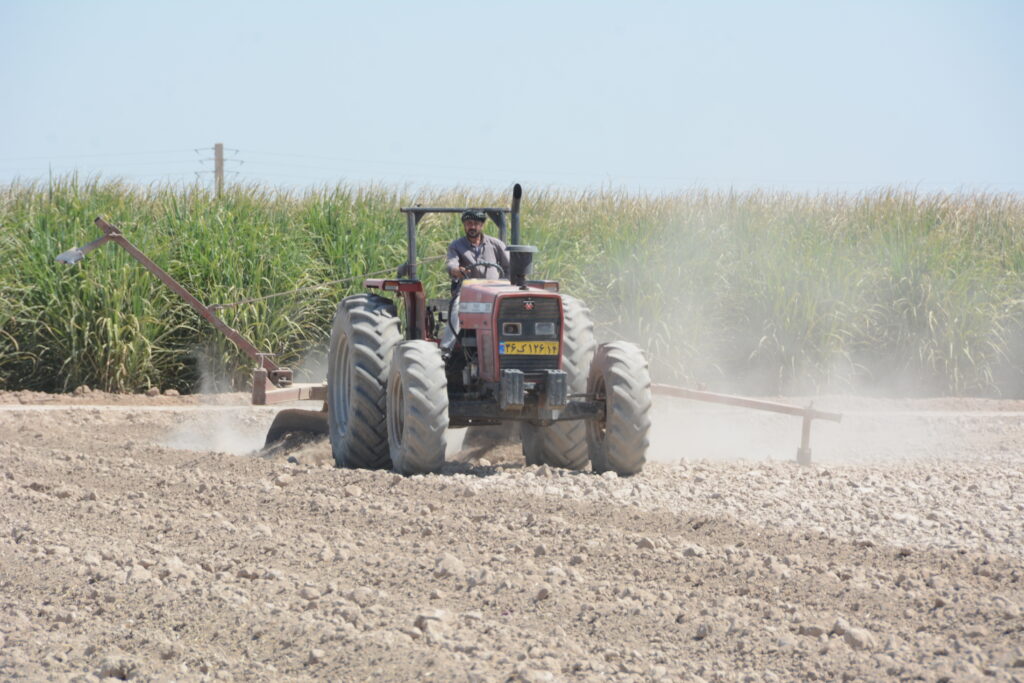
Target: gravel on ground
147,538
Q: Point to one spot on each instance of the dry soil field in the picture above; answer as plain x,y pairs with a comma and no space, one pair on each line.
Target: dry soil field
142,538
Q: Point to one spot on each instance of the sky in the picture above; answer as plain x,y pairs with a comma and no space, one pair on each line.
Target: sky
643,96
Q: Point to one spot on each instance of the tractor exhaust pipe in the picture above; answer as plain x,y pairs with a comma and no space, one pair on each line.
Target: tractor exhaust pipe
520,258
517,195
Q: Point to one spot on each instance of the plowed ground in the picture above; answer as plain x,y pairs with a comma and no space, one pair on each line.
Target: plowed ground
146,538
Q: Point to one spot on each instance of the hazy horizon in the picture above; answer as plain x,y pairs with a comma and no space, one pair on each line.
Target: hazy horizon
645,97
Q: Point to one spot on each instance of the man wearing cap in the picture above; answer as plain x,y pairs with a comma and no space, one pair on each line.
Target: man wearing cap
465,253
471,256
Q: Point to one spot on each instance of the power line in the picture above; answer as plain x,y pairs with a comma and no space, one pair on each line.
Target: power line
92,156
599,176
130,163
377,162
349,170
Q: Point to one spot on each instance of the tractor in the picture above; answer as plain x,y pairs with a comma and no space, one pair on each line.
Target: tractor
525,354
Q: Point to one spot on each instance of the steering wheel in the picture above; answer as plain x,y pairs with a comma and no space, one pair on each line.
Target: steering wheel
488,264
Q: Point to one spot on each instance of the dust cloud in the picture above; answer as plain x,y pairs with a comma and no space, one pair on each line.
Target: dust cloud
691,431
243,433
234,431
220,429
872,431
312,367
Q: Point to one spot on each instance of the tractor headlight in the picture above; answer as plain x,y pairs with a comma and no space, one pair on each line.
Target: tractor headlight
544,329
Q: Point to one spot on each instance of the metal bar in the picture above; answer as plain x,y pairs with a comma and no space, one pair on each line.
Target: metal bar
416,313
296,392
809,414
803,454
448,209
743,402
499,220
805,433
260,386
411,219
241,342
489,410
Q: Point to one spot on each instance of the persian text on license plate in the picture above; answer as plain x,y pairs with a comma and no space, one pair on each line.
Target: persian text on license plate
528,348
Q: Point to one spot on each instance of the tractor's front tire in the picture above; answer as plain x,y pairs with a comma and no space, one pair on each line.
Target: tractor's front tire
363,337
564,444
620,377
417,408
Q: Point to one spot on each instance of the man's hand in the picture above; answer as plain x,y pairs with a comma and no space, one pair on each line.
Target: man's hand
458,272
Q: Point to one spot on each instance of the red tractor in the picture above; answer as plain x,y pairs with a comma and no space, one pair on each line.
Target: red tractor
525,353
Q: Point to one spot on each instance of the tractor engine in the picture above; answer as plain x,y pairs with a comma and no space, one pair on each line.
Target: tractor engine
506,329
511,342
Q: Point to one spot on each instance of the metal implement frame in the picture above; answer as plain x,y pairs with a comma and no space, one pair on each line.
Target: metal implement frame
271,383
810,413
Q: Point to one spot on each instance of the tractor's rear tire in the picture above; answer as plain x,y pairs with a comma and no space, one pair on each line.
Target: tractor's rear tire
564,444
363,337
619,442
417,408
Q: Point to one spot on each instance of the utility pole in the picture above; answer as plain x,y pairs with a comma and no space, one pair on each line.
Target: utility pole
218,168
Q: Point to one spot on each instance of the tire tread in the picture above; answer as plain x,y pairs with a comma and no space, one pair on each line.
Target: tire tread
418,366
371,325
627,411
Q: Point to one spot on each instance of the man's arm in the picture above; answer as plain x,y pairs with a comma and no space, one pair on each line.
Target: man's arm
452,262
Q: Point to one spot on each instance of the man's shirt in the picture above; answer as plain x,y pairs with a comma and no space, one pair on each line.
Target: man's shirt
490,249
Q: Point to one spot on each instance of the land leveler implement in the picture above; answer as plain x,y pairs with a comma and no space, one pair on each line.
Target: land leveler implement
525,354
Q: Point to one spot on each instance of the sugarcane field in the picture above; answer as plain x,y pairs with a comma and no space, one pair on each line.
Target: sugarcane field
170,527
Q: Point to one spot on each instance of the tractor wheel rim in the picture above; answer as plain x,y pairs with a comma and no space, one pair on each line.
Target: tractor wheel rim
599,394
346,384
396,400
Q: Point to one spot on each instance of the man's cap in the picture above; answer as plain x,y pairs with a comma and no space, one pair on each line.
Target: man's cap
474,215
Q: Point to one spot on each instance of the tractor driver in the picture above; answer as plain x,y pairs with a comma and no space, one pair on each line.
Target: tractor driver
475,248
468,257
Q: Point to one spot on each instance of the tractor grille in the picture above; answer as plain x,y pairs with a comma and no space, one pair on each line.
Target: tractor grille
515,310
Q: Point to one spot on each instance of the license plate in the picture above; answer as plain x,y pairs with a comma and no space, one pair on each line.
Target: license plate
528,348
